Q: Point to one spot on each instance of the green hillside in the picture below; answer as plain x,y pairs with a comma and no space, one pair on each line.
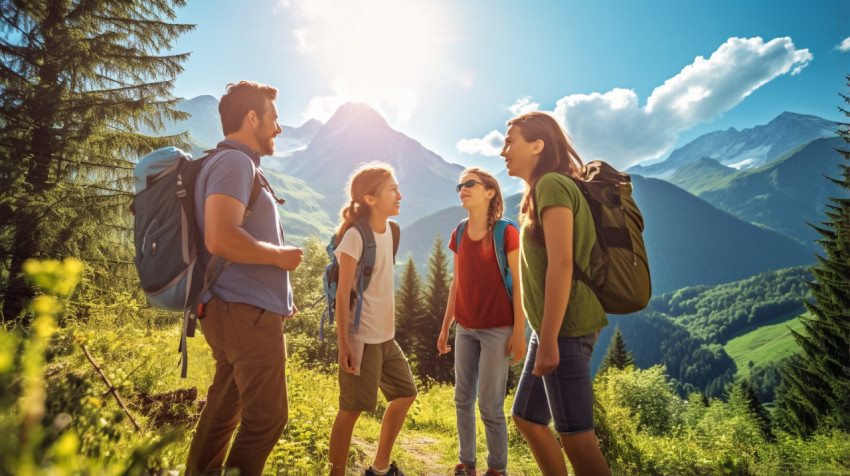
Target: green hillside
701,175
719,313
654,338
764,346
690,331
782,195
302,215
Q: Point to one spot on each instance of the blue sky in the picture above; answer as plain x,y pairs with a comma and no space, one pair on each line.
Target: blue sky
630,80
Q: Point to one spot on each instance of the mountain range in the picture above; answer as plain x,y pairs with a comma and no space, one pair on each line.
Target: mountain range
357,134
782,195
688,241
204,126
747,148
708,224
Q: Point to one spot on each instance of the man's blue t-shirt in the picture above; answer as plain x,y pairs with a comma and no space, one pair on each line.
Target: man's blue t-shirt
266,286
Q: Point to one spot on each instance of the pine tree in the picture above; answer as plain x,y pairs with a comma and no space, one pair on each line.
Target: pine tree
815,388
78,79
617,355
438,282
756,408
408,309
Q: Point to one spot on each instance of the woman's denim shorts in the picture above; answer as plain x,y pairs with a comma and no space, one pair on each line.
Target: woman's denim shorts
565,394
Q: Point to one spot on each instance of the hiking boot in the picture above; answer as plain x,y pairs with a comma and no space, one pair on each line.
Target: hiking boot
393,471
493,472
464,470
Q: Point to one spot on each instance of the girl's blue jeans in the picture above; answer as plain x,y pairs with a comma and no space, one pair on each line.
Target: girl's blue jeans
481,370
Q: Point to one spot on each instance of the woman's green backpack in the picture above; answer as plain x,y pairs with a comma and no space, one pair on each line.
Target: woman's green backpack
619,268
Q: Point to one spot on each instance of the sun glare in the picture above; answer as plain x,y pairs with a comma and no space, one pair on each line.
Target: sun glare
378,51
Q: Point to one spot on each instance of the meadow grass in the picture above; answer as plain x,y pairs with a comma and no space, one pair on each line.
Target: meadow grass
765,345
142,358
140,355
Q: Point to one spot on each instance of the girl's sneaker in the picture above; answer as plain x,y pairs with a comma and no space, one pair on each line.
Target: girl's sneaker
464,470
393,471
493,472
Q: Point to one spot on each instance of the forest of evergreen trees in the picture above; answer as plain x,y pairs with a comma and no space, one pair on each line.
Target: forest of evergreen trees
717,313
685,329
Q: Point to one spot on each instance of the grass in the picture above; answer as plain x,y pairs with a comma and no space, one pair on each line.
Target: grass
141,357
427,443
764,345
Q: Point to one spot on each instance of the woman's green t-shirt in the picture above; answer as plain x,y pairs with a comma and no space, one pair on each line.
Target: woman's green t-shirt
584,314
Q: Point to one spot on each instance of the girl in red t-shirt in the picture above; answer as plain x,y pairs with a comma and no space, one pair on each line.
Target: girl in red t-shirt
490,332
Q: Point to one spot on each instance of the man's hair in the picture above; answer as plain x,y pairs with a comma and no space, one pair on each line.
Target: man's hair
241,98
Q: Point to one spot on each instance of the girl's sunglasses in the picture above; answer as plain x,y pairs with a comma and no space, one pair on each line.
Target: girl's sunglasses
467,184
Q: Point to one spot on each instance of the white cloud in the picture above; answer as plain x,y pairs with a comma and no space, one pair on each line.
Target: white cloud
733,72
490,145
302,39
613,127
844,46
523,105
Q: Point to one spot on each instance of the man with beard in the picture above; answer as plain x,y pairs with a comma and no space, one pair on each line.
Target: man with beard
243,313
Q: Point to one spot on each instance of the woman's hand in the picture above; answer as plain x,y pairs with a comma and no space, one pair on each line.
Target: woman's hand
516,345
547,357
442,342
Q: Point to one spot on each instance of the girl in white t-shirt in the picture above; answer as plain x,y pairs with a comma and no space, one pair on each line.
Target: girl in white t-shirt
369,357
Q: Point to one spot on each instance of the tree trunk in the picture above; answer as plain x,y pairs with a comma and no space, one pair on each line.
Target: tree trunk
17,291
44,107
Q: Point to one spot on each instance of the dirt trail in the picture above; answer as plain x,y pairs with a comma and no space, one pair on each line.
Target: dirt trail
417,446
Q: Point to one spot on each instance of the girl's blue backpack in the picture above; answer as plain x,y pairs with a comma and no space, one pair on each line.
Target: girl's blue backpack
364,267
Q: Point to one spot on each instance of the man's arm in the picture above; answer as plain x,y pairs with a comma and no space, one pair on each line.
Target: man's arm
225,237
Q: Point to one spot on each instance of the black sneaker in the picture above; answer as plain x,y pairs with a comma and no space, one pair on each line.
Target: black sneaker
393,471
464,470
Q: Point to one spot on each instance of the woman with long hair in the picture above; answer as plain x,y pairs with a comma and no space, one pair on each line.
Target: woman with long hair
565,315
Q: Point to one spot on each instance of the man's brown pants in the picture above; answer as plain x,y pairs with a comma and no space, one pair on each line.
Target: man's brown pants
249,387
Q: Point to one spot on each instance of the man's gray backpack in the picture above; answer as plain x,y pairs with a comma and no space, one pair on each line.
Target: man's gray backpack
167,237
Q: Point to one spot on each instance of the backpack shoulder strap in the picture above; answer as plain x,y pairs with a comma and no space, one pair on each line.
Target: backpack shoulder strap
594,207
366,263
459,230
502,254
396,231
367,256
255,194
